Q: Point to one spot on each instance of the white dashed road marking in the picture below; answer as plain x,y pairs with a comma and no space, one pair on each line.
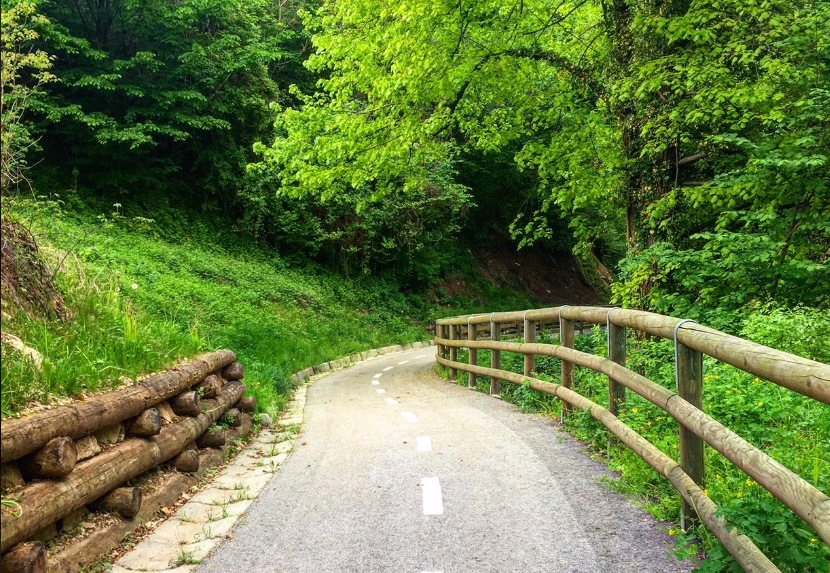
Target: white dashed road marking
421,356
433,504
375,382
388,368
402,362
424,443
378,375
380,391
391,401
410,417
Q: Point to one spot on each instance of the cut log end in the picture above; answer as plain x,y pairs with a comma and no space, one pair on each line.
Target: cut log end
215,438
57,458
234,371
232,418
148,423
187,461
247,404
211,386
186,404
126,501
27,557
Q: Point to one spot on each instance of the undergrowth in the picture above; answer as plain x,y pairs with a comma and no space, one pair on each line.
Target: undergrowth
791,428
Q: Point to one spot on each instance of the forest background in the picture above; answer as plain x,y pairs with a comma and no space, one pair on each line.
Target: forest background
353,153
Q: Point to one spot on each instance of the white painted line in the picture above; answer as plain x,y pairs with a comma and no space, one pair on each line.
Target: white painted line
380,391
433,504
375,382
378,375
424,443
391,401
402,362
410,417
421,356
388,368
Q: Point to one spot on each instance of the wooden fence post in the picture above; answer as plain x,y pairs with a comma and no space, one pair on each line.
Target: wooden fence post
495,357
453,351
616,353
566,339
689,365
472,334
530,336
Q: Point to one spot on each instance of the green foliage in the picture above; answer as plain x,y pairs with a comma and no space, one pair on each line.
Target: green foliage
23,73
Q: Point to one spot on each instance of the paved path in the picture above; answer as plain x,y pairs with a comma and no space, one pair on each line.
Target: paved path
396,470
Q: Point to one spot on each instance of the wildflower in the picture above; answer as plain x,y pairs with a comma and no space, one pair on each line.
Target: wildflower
750,483
740,495
134,286
634,410
760,404
672,532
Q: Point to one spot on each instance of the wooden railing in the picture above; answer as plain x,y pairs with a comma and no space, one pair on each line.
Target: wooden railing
691,341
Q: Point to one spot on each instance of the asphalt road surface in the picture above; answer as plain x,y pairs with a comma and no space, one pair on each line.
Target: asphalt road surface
397,470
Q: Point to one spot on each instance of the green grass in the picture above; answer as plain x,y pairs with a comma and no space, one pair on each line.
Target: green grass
143,298
791,428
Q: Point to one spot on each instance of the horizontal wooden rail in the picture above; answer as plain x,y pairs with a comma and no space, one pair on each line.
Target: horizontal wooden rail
692,341
742,548
799,374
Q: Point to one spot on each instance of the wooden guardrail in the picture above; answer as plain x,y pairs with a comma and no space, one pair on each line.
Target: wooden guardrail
58,461
692,341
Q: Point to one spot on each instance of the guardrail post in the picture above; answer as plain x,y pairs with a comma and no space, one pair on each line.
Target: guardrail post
453,351
495,358
566,339
616,353
472,334
689,364
439,333
530,336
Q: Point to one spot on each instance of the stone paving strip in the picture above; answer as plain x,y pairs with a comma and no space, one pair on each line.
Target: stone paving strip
180,543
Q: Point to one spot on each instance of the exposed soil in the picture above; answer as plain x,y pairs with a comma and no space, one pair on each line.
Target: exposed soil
552,277
25,280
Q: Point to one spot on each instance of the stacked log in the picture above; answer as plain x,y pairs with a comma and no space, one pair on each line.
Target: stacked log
58,461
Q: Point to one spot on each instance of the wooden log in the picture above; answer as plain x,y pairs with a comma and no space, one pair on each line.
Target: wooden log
25,435
186,404
530,336
10,477
125,501
112,434
148,423
473,355
495,359
616,353
247,404
453,351
211,386
690,388
47,501
243,429
57,458
232,418
187,461
87,447
25,558
234,371
213,438
165,412
566,339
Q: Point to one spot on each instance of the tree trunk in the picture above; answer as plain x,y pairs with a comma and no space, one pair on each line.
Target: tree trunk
126,501
45,502
56,459
28,434
148,423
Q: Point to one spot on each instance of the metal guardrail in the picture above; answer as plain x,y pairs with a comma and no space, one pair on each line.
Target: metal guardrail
692,341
